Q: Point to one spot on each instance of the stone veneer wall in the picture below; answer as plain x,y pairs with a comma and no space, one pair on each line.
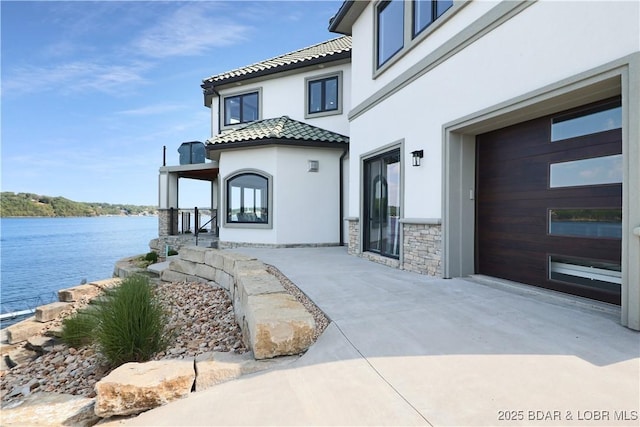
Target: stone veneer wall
422,248
354,246
354,236
164,222
161,244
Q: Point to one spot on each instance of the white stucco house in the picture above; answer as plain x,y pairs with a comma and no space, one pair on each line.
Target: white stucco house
278,150
493,138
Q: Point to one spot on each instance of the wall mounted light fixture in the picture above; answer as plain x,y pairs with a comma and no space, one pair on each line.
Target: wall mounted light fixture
416,156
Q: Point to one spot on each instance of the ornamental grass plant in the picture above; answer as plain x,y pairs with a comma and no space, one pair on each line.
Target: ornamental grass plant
127,324
132,323
79,330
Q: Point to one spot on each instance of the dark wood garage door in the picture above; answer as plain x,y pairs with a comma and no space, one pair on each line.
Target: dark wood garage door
548,202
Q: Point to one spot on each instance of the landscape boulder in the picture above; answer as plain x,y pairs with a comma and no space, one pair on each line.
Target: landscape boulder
107,283
278,325
23,330
49,312
78,292
217,367
137,387
40,343
50,409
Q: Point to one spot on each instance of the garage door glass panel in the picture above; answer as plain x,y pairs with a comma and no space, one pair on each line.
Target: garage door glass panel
564,128
597,274
594,171
592,223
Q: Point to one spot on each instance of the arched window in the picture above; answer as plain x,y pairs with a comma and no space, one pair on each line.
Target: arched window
248,199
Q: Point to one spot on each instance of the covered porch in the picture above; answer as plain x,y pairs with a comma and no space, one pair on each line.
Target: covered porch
192,222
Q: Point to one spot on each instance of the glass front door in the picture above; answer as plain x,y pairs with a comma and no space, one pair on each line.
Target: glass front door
382,204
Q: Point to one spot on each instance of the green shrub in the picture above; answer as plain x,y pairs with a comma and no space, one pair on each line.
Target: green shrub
152,257
79,329
132,323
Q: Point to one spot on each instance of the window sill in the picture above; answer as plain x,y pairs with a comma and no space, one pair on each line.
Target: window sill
323,114
248,225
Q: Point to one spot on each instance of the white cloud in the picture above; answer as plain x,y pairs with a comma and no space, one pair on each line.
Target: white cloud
151,110
193,29
74,77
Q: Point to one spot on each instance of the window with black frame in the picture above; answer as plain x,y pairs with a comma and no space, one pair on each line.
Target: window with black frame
241,108
323,95
394,18
248,199
426,12
390,29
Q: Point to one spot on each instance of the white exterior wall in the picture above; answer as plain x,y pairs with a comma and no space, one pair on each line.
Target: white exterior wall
482,70
519,56
305,204
261,159
363,47
285,96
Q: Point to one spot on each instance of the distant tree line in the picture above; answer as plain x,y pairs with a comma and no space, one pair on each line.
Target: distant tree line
28,205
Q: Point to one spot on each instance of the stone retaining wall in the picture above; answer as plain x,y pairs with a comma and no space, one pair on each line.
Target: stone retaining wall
273,322
161,244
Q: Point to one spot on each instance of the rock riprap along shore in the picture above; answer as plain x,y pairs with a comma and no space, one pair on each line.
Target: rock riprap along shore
74,386
200,317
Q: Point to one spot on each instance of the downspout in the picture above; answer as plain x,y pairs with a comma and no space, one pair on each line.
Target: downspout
341,222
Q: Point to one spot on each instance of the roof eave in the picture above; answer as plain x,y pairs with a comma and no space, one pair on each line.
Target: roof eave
343,20
275,141
209,86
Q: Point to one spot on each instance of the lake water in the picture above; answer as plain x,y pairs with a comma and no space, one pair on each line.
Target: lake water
39,256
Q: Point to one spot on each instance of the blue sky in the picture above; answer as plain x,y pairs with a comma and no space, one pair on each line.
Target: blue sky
92,91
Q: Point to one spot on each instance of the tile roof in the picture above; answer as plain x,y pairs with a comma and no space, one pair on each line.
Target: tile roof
325,51
277,129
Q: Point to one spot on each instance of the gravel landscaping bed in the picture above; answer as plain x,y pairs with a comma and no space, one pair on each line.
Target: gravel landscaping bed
201,319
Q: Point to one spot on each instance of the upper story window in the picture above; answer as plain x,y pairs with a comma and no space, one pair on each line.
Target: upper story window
241,108
323,95
390,29
399,25
427,11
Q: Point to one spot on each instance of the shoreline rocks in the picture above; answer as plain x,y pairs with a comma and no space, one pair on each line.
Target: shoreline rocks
207,343
200,315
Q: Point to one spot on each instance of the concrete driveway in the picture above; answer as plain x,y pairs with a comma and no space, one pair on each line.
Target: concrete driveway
407,349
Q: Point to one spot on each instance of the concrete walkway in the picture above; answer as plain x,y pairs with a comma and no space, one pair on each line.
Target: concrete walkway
407,349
